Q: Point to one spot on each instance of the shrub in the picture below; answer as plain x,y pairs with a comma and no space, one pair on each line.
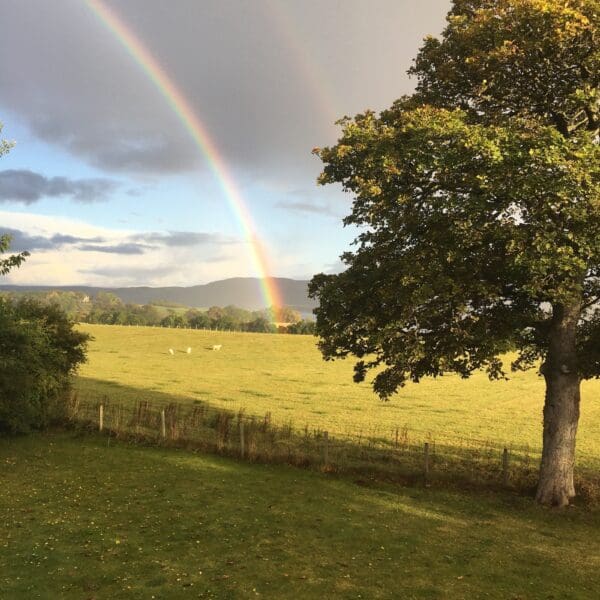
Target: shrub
39,351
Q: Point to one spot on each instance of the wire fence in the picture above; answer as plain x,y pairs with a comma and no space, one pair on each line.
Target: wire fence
401,454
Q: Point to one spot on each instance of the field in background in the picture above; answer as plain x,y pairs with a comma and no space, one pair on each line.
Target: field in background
163,311
284,375
83,519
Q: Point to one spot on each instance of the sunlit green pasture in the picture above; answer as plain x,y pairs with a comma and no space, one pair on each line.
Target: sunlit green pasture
83,519
286,376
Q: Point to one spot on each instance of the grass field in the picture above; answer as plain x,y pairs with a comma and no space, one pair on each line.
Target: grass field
286,376
83,519
163,311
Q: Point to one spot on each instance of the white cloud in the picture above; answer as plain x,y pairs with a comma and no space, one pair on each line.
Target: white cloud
165,259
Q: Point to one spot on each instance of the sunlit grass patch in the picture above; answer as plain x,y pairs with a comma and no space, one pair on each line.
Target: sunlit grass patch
82,519
285,376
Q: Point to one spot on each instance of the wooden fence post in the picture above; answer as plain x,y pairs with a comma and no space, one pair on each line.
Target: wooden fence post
163,424
396,437
101,417
505,476
325,448
426,464
242,441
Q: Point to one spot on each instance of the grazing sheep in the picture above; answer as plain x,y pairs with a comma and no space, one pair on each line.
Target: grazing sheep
189,350
217,346
171,351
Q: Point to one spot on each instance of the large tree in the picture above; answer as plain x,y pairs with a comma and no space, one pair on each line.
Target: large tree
478,206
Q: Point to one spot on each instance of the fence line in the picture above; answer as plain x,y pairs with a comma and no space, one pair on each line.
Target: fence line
399,456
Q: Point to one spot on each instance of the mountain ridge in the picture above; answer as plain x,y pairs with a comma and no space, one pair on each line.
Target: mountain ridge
245,292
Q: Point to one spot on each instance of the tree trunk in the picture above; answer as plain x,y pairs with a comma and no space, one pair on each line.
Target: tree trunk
561,409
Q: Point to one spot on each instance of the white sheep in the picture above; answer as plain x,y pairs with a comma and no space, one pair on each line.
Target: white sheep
171,351
217,346
189,350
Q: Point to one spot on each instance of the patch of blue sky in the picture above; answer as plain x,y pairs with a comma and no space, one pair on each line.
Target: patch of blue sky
33,154
292,221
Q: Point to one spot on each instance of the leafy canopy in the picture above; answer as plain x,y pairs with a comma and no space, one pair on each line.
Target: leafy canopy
477,200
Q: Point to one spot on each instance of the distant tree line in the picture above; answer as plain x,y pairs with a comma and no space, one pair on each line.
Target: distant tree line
108,309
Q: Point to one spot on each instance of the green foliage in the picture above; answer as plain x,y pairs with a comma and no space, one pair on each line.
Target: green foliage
303,327
5,146
477,199
501,58
198,319
14,261
39,351
114,312
107,309
261,325
172,320
284,314
215,313
76,305
107,301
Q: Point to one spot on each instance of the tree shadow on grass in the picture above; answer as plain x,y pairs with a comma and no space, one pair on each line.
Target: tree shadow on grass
160,417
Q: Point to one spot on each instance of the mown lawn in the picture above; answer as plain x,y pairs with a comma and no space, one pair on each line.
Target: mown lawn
83,519
286,376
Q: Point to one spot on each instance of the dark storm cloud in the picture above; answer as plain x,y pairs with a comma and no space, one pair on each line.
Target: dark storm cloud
22,185
21,240
266,78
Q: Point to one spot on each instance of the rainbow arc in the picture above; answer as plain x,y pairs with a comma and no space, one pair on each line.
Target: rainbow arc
192,123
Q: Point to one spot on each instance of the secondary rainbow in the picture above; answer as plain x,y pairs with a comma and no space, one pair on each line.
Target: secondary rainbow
182,108
315,77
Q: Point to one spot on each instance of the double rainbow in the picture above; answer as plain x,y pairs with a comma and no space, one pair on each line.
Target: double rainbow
182,108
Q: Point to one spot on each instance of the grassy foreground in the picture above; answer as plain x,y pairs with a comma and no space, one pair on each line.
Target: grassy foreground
286,376
80,519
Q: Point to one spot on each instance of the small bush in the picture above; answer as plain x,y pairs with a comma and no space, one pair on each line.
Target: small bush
39,351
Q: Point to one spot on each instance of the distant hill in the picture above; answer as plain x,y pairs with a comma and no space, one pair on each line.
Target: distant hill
244,292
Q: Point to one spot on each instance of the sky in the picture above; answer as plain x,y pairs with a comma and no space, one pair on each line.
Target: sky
106,185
